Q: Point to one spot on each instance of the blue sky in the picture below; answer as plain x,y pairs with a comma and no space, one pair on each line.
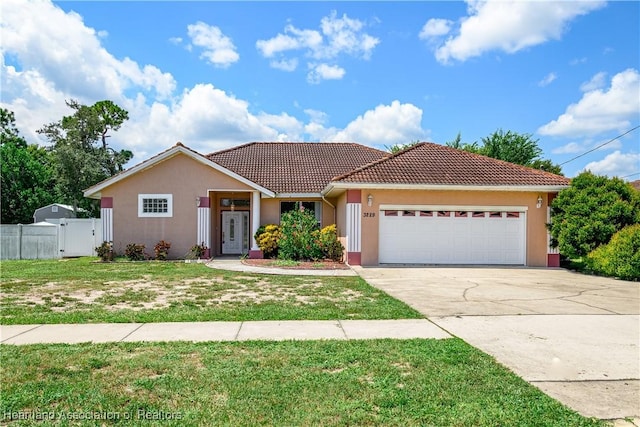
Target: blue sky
218,74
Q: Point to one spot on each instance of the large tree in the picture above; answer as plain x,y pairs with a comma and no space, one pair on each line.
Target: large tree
511,147
593,208
80,150
26,178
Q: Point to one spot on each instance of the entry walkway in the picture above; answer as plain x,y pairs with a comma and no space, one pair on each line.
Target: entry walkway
273,330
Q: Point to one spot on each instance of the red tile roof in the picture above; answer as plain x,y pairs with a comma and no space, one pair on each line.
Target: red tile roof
636,184
295,167
434,164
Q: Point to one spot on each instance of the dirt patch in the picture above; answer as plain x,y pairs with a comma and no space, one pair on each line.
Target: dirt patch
299,265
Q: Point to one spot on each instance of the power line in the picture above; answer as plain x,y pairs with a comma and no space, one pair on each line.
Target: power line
601,145
631,174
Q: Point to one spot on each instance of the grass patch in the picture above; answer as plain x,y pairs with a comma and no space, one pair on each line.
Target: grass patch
84,291
328,383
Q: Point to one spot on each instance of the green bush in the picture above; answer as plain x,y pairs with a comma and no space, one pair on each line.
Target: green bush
298,241
161,250
135,252
329,244
620,257
267,238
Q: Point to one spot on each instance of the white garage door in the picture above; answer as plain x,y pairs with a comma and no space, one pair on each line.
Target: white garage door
416,236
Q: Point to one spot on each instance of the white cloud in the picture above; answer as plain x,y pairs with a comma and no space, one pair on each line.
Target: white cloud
385,125
175,40
510,26
218,49
69,54
321,72
547,80
337,36
600,110
570,148
285,64
597,82
435,28
616,164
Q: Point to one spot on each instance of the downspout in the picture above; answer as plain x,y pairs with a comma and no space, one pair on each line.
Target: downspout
334,208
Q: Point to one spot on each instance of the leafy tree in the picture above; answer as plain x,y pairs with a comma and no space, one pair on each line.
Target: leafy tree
593,208
509,146
80,150
396,148
26,177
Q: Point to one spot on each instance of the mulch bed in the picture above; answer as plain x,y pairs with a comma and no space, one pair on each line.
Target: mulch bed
301,265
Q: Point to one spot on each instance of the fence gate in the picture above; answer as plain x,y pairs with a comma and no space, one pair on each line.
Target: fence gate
78,236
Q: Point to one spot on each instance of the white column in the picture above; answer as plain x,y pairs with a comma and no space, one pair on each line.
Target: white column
354,212
204,226
255,219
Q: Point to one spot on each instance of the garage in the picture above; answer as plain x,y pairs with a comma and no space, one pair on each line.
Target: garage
452,235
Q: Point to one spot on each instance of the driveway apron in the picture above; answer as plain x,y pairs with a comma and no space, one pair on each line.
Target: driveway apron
573,336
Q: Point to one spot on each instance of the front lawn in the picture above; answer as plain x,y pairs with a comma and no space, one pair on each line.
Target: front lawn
309,383
85,291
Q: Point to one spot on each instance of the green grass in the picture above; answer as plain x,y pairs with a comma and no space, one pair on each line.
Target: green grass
309,383
85,291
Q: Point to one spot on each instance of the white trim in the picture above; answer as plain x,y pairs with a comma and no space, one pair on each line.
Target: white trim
204,226
106,216
381,186
354,228
452,208
94,192
167,214
299,195
255,219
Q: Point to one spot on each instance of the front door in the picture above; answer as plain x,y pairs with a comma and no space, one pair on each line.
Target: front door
234,232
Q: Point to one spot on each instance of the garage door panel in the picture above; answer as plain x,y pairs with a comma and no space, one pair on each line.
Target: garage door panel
452,237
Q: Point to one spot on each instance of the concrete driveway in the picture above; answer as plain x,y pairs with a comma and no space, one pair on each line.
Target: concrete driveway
575,337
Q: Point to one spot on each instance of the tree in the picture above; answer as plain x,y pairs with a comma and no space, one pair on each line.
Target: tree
80,150
396,148
509,146
593,208
26,176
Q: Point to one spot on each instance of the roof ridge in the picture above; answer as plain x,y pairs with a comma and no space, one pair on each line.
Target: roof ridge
389,156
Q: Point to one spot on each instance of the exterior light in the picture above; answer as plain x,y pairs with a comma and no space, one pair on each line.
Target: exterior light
369,200
539,204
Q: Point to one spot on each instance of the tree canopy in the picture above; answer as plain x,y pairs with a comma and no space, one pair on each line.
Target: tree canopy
511,147
593,208
80,151
26,176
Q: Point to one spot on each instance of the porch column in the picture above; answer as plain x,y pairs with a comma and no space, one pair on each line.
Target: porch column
255,251
106,216
204,224
553,254
354,226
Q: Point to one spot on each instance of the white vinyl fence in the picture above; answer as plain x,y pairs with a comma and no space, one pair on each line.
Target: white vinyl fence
56,238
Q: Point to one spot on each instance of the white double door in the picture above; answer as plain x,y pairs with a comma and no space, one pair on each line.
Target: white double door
235,232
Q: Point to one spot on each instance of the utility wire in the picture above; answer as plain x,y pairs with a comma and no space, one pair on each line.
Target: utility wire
601,145
631,174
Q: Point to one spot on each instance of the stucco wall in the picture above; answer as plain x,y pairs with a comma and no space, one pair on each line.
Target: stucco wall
536,217
184,178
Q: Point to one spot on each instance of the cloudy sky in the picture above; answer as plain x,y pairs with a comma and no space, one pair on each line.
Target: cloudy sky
218,74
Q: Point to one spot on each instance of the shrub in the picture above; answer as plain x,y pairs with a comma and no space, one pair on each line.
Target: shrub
267,237
134,252
329,244
620,257
161,250
197,251
298,241
105,251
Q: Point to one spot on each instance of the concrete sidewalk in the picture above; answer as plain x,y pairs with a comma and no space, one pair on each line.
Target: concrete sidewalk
238,265
221,331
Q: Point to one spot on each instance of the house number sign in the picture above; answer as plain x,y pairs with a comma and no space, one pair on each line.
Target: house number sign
368,214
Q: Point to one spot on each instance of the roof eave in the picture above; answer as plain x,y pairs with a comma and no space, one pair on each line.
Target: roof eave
391,186
95,191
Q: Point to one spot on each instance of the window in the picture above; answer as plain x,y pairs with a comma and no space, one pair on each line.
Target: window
54,208
477,214
390,213
426,213
315,207
461,214
444,214
408,213
155,205
513,214
495,214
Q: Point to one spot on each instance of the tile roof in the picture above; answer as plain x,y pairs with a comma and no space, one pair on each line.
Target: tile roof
295,167
636,184
434,164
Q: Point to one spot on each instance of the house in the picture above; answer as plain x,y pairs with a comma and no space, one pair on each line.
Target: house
54,211
636,184
428,204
